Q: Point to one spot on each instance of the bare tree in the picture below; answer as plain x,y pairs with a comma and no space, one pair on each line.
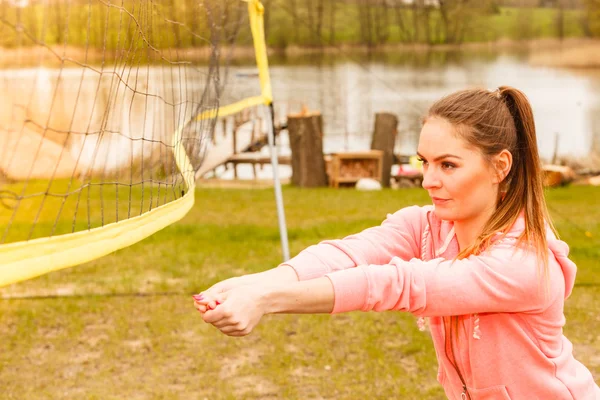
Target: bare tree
59,22
381,22
315,12
425,17
592,8
173,7
559,21
400,12
365,20
310,19
193,19
319,21
295,25
524,29
332,9
457,17
416,6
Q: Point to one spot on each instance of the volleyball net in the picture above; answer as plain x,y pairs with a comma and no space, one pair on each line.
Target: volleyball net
107,111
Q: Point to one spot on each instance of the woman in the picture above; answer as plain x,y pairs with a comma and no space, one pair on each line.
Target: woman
483,264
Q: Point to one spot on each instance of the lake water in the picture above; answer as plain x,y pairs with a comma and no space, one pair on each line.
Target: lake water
566,103
347,90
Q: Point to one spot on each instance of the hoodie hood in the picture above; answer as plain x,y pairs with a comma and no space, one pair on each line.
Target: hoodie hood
558,248
561,251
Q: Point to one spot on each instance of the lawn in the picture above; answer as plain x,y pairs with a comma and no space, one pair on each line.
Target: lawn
123,326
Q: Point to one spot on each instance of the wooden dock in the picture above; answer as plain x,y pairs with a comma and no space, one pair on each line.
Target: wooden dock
251,158
256,158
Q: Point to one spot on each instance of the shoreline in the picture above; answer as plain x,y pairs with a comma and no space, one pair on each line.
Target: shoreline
579,53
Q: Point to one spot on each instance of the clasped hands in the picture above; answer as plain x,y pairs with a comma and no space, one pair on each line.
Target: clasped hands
233,308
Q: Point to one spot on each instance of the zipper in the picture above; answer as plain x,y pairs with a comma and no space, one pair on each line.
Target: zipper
449,345
448,332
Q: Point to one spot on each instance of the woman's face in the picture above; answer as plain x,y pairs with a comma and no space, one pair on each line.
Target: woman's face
461,183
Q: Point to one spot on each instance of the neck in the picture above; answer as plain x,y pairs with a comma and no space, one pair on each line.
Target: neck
468,230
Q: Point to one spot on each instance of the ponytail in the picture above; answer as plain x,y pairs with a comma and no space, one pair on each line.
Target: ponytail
525,186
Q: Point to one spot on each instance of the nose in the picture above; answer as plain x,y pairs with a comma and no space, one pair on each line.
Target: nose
430,179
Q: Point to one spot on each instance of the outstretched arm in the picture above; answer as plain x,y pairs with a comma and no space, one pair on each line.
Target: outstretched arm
503,280
236,312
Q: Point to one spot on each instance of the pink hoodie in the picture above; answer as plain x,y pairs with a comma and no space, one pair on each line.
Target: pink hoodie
510,343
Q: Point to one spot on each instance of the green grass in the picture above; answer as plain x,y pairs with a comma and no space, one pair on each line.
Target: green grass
124,326
65,207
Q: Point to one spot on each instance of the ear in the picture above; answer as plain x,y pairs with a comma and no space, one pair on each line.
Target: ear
502,163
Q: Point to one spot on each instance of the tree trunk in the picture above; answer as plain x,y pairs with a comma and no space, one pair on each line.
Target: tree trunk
174,17
319,24
306,142
381,22
332,22
296,24
384,139
405,35
59,24
416,23
366,30
560,22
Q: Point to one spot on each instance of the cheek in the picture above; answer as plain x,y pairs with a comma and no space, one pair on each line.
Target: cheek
470,187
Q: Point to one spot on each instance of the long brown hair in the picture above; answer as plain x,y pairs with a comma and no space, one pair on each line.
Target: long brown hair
492,121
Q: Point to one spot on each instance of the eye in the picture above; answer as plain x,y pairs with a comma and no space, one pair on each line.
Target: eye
420,159
448,165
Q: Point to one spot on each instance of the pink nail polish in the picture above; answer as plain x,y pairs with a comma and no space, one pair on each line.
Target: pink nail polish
198,297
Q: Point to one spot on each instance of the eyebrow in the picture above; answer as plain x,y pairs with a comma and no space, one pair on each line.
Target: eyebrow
440,157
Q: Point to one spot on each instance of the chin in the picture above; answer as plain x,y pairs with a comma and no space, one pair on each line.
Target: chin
444,214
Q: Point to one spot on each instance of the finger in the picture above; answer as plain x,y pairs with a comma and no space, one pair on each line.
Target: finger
200,298
229,329
213,302
200,307
214,316
238,333
204,299
224,322
211,305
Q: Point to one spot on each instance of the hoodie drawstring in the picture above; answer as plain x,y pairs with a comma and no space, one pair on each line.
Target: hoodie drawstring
421,321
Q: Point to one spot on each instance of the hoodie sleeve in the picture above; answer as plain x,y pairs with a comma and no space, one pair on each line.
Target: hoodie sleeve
398,236
505,279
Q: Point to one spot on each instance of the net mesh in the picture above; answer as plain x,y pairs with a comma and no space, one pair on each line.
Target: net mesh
93,94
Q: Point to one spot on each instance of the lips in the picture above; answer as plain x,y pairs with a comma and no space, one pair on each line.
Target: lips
438,201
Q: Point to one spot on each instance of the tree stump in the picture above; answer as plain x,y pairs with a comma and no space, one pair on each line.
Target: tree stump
384,139
306,142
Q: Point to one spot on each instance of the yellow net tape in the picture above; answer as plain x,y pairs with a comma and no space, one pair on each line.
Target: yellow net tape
25,260
256,12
